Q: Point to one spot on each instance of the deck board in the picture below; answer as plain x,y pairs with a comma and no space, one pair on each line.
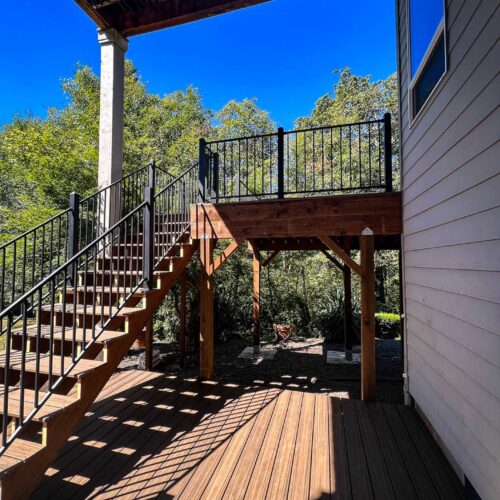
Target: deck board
148,435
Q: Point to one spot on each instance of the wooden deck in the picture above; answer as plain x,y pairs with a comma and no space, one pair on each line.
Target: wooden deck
149,435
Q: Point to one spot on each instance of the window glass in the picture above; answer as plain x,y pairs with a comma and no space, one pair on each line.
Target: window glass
425,17
429,76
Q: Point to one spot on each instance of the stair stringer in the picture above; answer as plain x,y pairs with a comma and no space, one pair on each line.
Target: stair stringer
22,480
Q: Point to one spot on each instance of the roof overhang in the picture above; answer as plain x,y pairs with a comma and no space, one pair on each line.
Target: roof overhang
134,17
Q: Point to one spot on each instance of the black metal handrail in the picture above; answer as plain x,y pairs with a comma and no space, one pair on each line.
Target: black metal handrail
352,157
95,283
29,257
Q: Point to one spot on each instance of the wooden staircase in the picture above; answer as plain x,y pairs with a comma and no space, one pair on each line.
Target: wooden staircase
63,328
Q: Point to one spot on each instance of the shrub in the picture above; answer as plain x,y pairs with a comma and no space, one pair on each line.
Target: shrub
387,325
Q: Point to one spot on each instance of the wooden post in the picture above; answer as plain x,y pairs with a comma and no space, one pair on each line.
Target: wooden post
348,323
256,300
148,346
182,318
206,309
368,375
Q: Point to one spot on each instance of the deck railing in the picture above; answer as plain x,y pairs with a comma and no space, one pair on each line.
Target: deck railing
108,270
355,157
31,256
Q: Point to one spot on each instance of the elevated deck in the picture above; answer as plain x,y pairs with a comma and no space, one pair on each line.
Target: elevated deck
151,435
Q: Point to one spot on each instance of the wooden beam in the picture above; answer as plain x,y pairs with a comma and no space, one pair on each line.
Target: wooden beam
226,253
270,258
206,310
337,216
333,259
182,317
256,300
148,346
368,375
348,322
346,258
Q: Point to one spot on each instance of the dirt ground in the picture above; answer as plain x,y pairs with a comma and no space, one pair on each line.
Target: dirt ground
299,363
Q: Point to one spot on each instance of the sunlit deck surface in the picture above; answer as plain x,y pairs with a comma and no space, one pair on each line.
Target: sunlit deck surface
150,435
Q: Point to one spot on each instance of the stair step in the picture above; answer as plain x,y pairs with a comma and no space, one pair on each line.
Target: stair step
115,290
91,309
105,337
18,452
53,406
83,366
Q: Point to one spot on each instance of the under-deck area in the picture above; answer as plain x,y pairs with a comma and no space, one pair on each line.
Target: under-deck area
152,435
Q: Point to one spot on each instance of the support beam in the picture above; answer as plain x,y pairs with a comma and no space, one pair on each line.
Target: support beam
182,317
337,249
148,341
270,258
206,309
348,323
113,48
256,300
368,375
226,253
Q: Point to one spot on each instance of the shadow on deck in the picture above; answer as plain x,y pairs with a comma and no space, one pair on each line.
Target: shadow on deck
149,435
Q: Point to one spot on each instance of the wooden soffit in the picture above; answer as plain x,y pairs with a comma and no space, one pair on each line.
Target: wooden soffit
134,17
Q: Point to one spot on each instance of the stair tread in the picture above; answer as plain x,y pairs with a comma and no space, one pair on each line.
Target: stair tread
83,366
107,289
89,309
54,405
57,332
18,452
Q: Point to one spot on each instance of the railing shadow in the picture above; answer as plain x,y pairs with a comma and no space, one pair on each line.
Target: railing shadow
161,428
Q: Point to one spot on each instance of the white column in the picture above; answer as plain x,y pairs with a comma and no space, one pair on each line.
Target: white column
113,48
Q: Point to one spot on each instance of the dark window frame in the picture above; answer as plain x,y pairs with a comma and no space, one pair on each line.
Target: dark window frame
414,80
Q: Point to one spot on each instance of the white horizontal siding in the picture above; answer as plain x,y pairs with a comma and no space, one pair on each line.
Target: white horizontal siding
451,220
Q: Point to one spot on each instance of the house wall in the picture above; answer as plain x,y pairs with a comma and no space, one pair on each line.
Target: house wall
451,224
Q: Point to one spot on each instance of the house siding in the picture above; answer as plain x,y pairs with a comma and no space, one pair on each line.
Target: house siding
450,161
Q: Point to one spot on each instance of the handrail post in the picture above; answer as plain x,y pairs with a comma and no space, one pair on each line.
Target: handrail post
281,163
73,231
202,174
215,177
148,237
152,174
388,152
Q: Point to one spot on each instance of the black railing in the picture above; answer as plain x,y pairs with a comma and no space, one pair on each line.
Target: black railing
67,310
355,157
31,256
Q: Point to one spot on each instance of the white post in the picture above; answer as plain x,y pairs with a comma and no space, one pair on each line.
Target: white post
113,48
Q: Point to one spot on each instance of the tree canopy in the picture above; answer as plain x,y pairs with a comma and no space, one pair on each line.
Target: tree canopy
42,160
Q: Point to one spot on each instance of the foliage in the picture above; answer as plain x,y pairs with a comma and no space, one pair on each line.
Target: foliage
43,160
387,325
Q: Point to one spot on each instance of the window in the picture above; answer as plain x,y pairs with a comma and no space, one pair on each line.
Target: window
427,49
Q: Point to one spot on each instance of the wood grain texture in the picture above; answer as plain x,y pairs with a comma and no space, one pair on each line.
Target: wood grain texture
290,218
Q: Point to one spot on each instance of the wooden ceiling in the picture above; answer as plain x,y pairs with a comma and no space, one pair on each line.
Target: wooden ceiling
134,17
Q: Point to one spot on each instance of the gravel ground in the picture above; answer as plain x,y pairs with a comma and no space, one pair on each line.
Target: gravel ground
299,363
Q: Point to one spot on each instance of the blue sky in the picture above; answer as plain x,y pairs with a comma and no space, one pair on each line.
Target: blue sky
282,52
